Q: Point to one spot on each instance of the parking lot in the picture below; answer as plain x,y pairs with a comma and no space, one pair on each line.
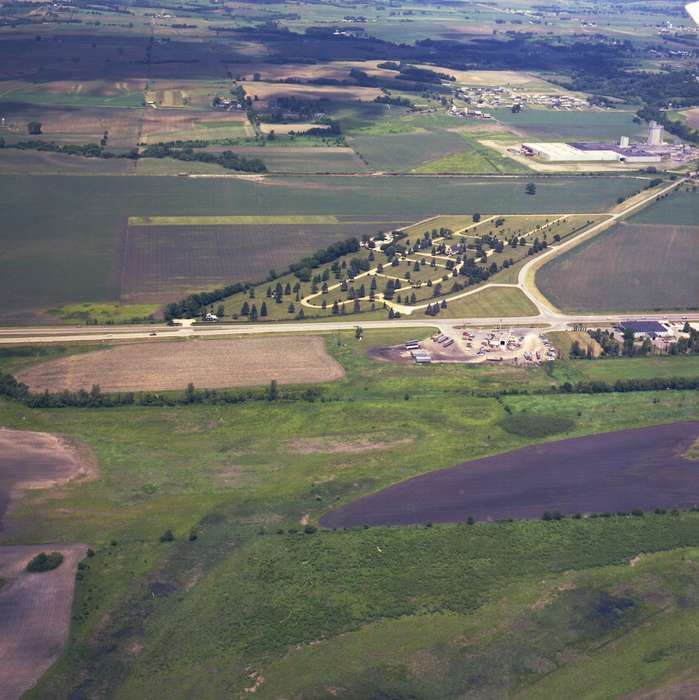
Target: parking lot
520,346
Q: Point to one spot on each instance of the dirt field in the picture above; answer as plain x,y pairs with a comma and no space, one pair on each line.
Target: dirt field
610,472
208,364
34,614
632,267
164,262
31,460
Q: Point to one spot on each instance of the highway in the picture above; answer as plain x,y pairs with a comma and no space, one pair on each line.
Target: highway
548,317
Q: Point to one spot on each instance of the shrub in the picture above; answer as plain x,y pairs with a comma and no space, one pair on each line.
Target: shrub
167,536
45,562
310,529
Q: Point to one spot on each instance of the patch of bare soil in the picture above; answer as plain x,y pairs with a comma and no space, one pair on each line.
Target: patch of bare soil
31,460
34,614
213,364
322,445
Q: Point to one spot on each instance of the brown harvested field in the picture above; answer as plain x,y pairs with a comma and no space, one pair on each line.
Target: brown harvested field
267,91
74,124
34,614
610,472
692,117
211,364
163,262
31,460
172,124
631,267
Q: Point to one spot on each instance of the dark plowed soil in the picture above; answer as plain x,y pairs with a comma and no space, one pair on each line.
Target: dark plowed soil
619,471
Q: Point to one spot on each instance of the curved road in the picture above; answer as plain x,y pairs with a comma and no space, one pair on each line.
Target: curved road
548,315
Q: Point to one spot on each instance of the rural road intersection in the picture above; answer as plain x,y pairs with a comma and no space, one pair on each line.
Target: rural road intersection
549,318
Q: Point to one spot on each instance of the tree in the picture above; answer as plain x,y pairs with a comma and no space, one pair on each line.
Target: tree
358,332
34,128
253,313
167,536
629,339
263,309
45,562
292,308
245,309
530,188
476,218
273,391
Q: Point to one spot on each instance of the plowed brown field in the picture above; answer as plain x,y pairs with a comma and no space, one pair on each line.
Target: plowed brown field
211,364
34,614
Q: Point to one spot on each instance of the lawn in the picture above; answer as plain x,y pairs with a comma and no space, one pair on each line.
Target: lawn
492,302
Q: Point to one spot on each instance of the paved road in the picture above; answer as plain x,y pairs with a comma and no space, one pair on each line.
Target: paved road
18,336
548,315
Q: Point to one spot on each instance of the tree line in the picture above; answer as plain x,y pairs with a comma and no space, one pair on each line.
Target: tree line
226,159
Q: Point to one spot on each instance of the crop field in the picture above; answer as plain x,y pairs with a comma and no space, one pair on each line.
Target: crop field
66,124
77,225
679,208
611,472
34,614
573,125
631,267
211,364
162,262
290,159
76,94
401,152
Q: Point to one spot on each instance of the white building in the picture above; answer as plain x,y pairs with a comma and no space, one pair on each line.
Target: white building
655,134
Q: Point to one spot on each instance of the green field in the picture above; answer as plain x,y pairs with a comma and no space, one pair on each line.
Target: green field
359,611
75,226
680,208
550,125
492,302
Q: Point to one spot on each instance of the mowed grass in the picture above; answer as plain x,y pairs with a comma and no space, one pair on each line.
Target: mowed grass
492,302
222,220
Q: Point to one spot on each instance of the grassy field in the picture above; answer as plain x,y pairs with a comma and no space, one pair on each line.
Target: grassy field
630,267
76,226
225,473
577,126
491,303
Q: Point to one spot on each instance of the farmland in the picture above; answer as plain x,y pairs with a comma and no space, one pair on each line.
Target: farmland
212,364
631,267
196,169
252,483
611,472
162,263
77,225
35,614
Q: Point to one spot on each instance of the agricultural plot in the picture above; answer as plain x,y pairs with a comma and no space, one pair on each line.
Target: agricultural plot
96,93
401,152
210,364
679,208
70,124
572,125
163,262
610,472
290,159
631,267
34,614
77,225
